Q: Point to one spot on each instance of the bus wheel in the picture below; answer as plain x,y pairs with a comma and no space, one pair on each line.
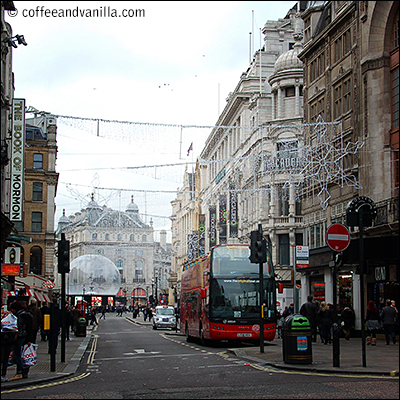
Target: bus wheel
188,337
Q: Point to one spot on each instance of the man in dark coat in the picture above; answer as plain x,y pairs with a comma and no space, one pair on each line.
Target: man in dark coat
389,317
37,319
310,311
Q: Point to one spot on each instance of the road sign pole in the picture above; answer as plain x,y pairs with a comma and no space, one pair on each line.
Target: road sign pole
361,249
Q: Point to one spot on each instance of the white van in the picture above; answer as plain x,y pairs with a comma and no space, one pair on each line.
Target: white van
164,317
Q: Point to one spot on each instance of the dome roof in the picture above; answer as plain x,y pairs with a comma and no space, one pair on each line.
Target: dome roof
93,274
92,204
64,219
132,207
289,59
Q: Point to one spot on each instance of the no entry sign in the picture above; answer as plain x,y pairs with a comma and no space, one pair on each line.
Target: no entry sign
338,237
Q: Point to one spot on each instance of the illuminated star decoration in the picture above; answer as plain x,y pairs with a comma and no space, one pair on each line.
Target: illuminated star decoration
322,163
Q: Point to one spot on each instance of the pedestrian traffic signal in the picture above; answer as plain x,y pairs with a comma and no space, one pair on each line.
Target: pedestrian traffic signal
63,256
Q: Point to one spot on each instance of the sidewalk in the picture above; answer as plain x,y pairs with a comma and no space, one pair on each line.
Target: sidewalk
380,359
74,351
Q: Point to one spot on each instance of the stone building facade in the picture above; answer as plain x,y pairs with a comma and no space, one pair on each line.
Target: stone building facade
239,177
123,238
351,64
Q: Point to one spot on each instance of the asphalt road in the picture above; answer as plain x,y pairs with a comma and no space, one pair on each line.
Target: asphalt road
128,361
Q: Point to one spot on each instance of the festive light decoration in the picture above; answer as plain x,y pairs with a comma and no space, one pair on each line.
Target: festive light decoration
309,162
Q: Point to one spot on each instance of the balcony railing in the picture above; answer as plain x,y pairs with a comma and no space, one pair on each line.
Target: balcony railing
387,212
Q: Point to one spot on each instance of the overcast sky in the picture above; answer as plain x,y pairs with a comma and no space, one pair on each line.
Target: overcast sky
173,63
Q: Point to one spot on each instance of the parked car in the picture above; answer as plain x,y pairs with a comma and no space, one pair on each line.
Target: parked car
164,317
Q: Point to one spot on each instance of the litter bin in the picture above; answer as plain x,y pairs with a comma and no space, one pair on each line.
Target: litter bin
80,327
296,344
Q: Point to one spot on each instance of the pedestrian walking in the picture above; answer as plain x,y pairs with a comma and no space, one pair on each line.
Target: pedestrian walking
8,337
150,313
93,319
37,319
389,316
289,310
145,314
25,336
325,318
69,321
372,320
76,314
279,324
348,322
103,313
310,311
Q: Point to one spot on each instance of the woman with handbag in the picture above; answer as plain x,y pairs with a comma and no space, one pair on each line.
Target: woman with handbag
25,332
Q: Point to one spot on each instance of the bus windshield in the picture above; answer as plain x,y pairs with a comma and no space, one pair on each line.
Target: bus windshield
236,298
234,260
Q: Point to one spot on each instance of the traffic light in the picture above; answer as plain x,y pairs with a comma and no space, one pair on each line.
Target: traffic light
63,256
258,248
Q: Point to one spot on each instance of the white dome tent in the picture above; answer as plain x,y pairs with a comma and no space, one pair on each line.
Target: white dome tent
94,275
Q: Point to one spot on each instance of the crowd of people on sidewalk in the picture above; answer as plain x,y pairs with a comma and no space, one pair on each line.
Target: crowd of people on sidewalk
21,324
321,318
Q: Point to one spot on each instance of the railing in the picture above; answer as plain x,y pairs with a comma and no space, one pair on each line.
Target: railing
387,212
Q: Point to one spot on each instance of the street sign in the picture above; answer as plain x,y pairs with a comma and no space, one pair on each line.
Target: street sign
338,237
302,257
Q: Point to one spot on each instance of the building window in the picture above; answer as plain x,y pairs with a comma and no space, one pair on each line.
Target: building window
38,161
94,236
283,201
36,222
35,261
132,238
144,238
119,237
317,108
342,98
139,270
107,237
342,46
289,91
307,29
284,249
37,191
317,67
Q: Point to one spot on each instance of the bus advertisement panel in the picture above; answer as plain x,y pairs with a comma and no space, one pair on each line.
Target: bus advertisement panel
220,296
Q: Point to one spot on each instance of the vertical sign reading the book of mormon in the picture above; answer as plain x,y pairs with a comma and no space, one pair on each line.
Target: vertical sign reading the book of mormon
17,158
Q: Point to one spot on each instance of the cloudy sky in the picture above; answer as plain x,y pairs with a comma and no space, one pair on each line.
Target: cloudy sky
170,63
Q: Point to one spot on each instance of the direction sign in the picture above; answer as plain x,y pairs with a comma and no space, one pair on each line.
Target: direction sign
338,237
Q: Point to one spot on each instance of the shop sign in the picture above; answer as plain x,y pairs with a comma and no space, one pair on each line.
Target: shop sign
10,269
17,159
380,273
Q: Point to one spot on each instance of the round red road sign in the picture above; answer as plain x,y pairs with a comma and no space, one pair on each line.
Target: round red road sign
338,237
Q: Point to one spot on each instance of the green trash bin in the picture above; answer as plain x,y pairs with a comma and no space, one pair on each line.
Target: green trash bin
80,329
296,344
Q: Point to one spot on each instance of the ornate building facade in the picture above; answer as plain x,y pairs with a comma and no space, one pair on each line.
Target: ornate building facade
124,239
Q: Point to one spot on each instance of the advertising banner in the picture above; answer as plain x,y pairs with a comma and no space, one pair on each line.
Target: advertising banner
17,159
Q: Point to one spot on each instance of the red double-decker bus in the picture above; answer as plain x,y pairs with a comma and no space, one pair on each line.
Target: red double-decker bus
220,297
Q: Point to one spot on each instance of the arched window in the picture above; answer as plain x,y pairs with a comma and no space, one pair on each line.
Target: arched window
35,262
144,238
107,236
119,237
132,238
